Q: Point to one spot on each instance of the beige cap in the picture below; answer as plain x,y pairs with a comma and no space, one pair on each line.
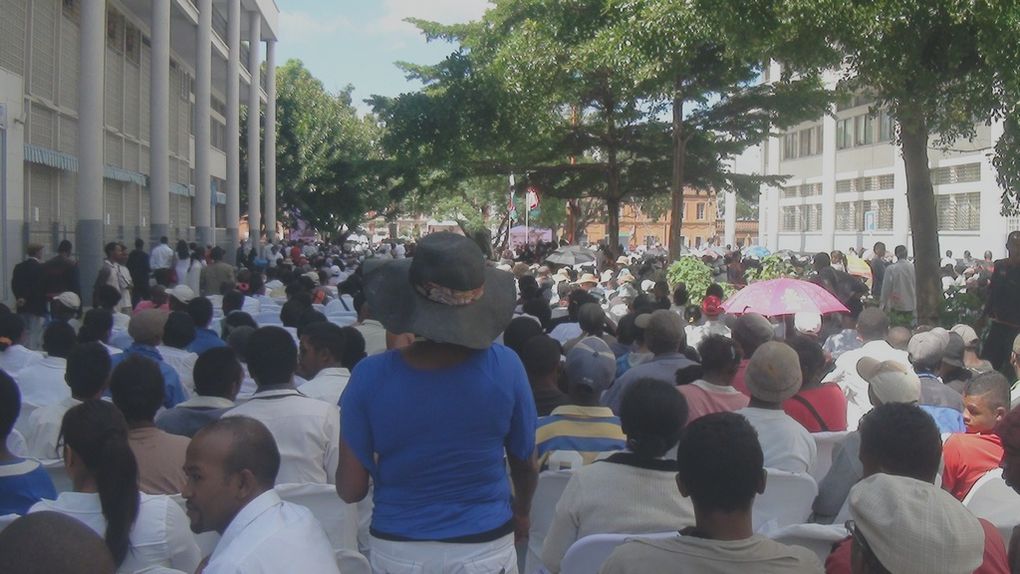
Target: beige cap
147,325
891,381
967,333
773,373
914,526
181,292
69,299
586,278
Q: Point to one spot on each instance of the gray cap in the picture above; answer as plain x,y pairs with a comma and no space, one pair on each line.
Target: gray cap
955,348
591,363
773,373
967,333
929,347
664,330
753,327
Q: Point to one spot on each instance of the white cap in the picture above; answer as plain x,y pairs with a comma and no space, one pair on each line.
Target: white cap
181,292
69,299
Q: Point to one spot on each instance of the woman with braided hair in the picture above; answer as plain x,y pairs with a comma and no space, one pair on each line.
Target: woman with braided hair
141,531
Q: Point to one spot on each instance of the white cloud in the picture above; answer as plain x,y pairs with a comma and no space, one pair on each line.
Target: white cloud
296,27
445,11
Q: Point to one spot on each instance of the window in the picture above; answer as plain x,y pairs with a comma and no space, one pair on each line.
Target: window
870,183
965,173
864,130
886,129
844,133
806,148
115,31
789,218
850,215
790,148
959,211
701,211
133,45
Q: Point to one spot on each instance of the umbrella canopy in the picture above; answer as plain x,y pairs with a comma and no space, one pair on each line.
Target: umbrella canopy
757,252
571,255
859,268
783,297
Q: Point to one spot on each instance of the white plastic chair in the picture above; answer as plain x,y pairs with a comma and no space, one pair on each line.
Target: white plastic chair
206,541
338,519
58,474
6,520
787,500
587,555
817,538
825,442
543,508
997,503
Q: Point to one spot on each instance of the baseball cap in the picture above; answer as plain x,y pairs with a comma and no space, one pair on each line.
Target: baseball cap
69,299
181,292
147,325
662,326
929,346
711,306
891,381
773,373
807,322
955,348
591,363
753,327
967,333
915,526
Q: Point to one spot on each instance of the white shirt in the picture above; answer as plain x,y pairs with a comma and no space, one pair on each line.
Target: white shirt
307,432
269,536
183,362
854,387
44,428
161,535
565,332
327,385
16,358
161,257
698,333
43,384
375,336
111,349
251,306
336,306
786,444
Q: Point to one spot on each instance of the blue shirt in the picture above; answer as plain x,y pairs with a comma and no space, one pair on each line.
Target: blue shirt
948,419
434,440
205,339
23,482
171,380
660,367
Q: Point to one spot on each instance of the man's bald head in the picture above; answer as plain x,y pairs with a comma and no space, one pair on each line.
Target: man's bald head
48,542
898,338
250,447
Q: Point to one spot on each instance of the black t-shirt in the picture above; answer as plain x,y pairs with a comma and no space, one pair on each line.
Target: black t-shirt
1003,304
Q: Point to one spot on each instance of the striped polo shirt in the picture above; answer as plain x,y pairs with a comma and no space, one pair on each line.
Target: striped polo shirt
589,431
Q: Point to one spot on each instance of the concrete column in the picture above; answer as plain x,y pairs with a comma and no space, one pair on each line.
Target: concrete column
233,187
159,122
730,224
772,195
829,185
994,227
901,210
203,126
254,153
90,143
270,135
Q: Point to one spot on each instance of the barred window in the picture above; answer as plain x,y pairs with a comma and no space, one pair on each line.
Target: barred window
965,173
789,222
870,183
133,45
959,211
848,216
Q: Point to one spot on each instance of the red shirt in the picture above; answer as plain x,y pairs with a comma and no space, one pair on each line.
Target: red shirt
828,400
967,458
738,379
995,561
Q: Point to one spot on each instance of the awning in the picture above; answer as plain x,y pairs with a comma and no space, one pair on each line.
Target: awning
67,162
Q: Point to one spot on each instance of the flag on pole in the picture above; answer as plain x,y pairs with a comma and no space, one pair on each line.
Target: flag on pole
512,208
532,198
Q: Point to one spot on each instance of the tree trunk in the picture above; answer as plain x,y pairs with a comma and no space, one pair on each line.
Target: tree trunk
573,215
676,213
613,224
923,220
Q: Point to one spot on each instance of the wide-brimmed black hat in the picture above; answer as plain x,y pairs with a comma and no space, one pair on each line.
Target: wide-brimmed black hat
445,293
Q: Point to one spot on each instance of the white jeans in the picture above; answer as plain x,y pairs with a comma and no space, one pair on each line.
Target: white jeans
496,557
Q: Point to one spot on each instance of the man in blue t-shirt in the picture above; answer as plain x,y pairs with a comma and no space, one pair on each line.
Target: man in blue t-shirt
23,482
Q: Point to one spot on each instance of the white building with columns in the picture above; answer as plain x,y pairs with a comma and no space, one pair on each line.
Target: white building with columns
847,186
120,119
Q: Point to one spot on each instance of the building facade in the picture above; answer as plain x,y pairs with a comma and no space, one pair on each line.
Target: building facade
120,119
701,223
847,186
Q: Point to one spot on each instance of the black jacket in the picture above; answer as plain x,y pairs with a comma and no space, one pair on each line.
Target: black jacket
27,284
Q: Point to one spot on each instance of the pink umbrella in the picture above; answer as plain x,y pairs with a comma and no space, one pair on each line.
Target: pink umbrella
783,297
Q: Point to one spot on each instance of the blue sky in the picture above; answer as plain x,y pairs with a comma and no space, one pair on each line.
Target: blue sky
357,41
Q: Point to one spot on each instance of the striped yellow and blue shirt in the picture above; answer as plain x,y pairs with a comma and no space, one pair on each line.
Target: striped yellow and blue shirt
589,431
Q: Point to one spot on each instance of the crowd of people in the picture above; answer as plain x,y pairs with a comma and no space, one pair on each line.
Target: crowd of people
430,388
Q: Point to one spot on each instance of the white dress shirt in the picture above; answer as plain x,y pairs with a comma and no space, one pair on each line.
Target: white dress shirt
327,385
161,535
786,444
269,536
854,387
43,384
375,336
183,362
16,357
698,333
336,306
161,257
43,429
307,432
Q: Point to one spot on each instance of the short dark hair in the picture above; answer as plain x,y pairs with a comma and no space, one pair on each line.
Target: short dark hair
822,259
139,243
680,295
216,370
107,296
528,286
653,415
292,310
539,309
137,388
252,448
179,330
715,289
993,384
540,355
232,301
217,253
47,541
354,348
238,340
95,326
719,353
308,318
11,327
901,251
58,339
201,310
721,462
519,331
810,355
10,404
237,319
88,368
903,439
64,246
271,356
164,239
325,336
110,247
